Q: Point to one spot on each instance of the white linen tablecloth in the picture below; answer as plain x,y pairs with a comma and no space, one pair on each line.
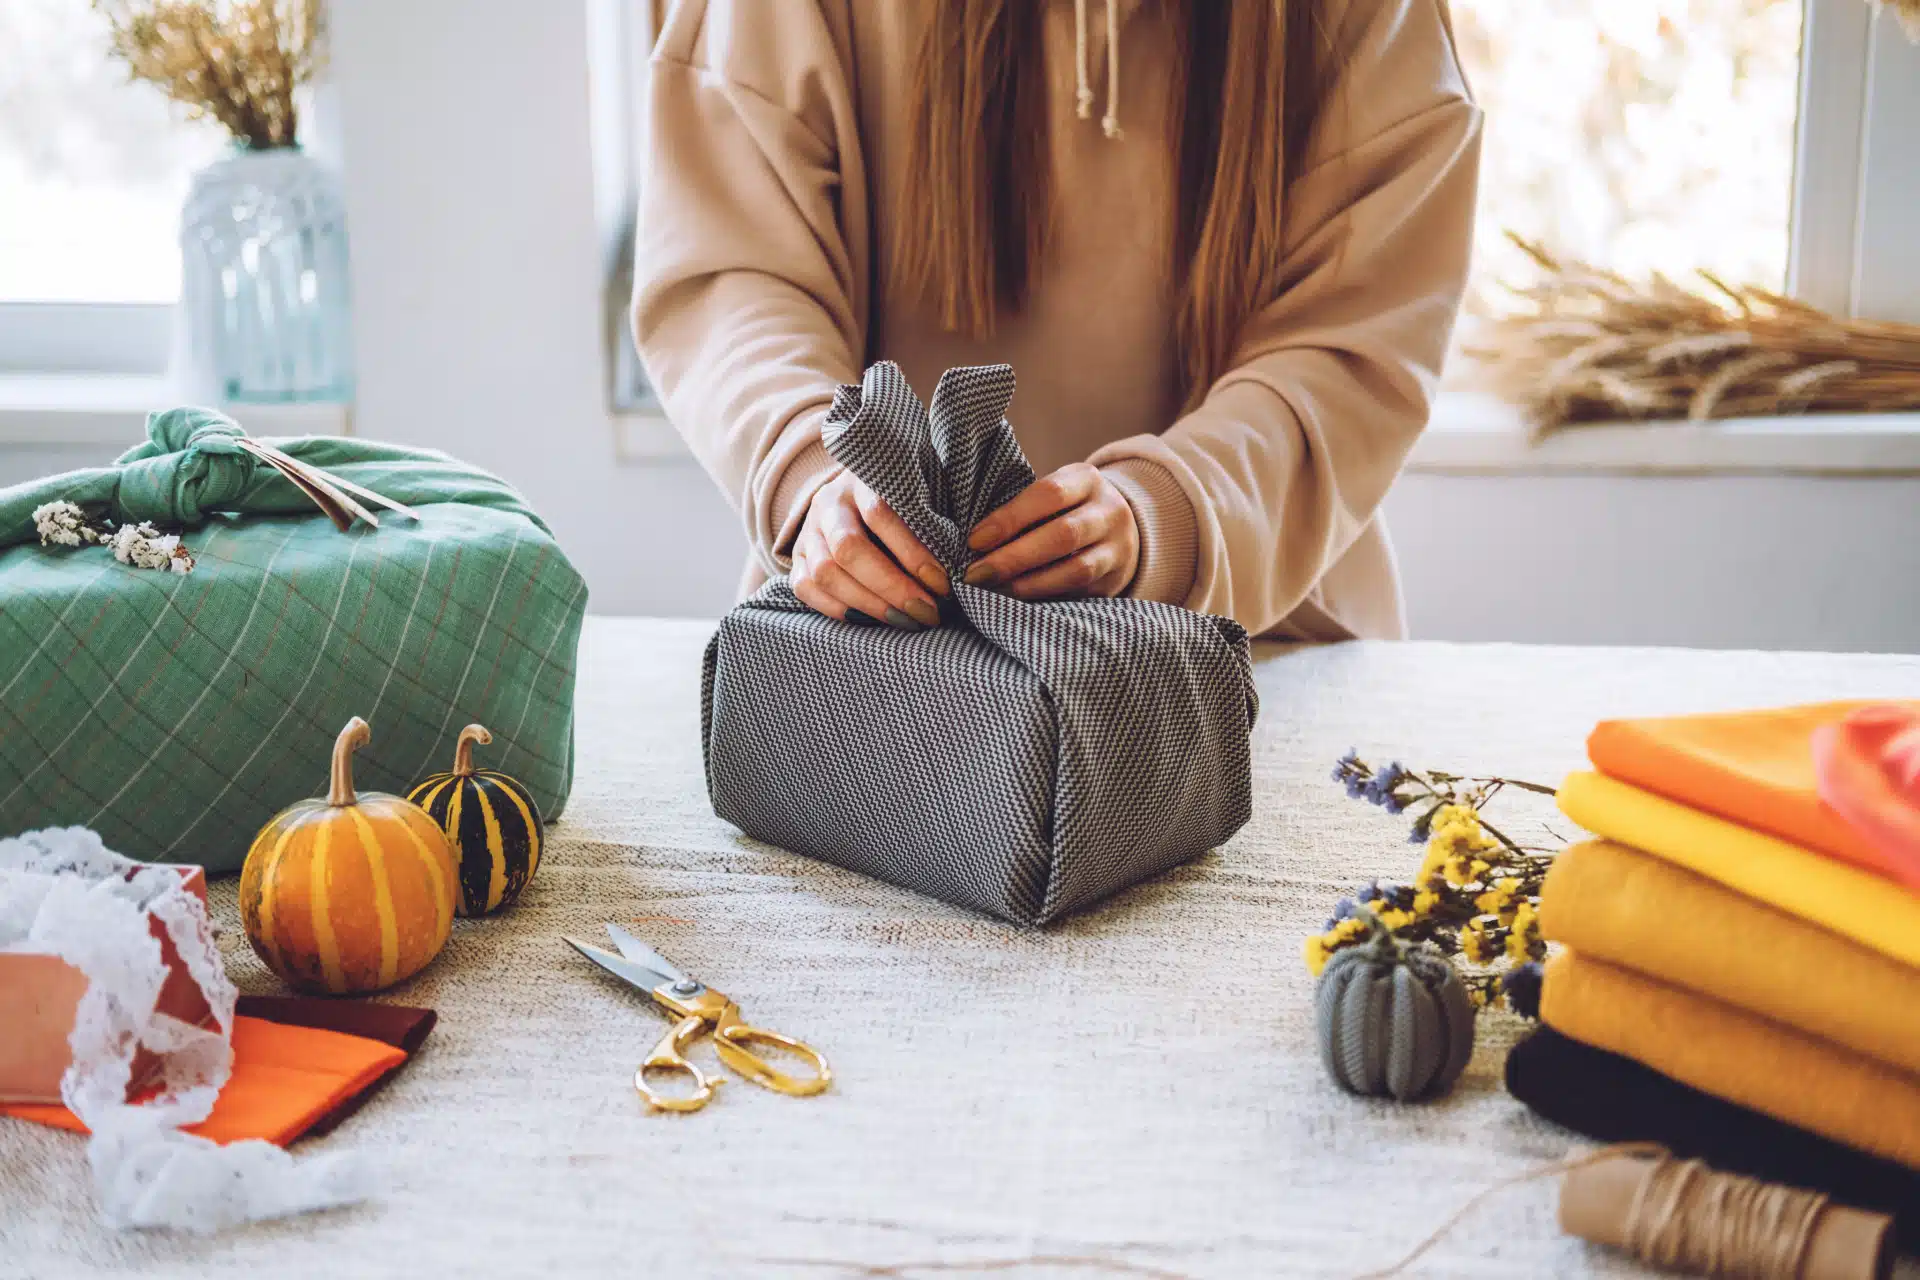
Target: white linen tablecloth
1134,1092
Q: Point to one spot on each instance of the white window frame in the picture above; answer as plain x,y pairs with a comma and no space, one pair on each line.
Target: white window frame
620,36
1856,164
85,337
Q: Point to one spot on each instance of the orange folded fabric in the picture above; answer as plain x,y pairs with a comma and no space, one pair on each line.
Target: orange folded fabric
1755,768
285,1079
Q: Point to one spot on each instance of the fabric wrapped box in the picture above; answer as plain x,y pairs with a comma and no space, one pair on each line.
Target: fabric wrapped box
176,713
1024,759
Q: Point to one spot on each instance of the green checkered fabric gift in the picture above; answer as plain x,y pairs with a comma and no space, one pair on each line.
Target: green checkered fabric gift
175,713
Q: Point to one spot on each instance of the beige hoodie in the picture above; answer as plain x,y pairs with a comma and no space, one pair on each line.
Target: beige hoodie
776,134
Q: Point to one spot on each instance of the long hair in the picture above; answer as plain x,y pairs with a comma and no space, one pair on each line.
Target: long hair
1249,80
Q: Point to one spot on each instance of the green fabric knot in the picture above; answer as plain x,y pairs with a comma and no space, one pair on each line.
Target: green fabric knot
188,468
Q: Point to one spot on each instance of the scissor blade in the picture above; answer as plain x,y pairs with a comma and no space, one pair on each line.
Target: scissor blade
639,975
640,953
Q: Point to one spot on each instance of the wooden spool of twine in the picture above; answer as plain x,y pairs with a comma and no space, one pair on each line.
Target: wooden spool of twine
1687,1217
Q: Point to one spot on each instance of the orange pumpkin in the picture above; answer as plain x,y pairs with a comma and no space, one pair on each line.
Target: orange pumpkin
348,893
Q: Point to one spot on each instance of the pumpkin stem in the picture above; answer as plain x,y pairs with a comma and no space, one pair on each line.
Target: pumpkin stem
463,748
1381,943
355,736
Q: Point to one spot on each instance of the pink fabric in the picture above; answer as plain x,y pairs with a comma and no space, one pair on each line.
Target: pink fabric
1868,771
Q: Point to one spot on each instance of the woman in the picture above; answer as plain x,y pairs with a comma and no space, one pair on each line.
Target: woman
1226,303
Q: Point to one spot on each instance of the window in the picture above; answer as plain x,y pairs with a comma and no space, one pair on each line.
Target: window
1640,135
1772,142
94,170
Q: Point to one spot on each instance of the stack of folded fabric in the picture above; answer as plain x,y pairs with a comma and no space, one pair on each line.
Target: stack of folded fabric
1740,971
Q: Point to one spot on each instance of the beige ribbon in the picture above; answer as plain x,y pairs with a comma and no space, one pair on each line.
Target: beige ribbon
332,494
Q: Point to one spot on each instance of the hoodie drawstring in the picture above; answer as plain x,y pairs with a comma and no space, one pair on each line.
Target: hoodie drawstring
1110,123
1083,97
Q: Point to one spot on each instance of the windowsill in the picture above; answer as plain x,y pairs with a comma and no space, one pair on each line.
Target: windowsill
111,409
1476,434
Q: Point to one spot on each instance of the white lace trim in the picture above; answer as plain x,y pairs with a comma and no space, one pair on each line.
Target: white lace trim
63,893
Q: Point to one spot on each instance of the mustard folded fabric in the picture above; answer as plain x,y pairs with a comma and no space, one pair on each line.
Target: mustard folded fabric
1628,908
1734,1055
1871,910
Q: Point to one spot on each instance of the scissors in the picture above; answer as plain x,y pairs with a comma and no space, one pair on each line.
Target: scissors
700,1009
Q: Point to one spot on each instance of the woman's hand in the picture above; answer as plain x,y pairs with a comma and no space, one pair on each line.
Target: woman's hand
1069,534
841,565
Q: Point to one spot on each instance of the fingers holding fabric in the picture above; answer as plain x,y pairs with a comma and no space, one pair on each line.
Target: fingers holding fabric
908,551
1068,487
824,586
1072,533
840,570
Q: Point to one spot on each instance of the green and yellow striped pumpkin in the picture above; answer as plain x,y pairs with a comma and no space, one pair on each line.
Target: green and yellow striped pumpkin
492,823
348,893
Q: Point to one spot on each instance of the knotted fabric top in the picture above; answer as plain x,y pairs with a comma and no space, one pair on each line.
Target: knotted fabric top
942,470
188,468
193,465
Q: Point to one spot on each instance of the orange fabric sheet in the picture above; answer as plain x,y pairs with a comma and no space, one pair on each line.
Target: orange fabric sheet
1750,767
285,1078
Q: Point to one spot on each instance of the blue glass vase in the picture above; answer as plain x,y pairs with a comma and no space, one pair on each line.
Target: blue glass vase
263,240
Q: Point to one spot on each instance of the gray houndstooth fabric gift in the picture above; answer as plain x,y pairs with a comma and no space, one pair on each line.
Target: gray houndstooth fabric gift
1025,760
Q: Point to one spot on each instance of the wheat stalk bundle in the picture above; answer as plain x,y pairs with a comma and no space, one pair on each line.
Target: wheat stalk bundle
238,61
1587,345
1908,11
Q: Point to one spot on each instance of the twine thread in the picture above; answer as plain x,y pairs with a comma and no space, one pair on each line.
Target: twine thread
1685,1216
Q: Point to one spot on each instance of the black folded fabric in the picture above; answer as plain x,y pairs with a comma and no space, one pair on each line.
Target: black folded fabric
1614,1099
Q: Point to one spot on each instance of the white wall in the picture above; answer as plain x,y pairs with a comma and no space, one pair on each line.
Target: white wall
476,278
1733,561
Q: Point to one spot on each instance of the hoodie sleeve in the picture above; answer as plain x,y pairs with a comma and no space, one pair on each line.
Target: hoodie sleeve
1247,501
750,301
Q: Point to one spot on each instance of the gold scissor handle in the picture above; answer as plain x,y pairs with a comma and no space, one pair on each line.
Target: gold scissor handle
730,1038
670,1055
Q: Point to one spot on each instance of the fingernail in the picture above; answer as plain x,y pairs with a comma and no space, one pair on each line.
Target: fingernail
934,578
860,619
981,575
924,612
902,621
981,537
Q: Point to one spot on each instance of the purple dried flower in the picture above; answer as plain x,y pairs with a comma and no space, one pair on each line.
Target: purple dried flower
1379,788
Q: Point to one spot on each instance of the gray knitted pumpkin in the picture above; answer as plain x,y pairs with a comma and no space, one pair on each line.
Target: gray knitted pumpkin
1394,1019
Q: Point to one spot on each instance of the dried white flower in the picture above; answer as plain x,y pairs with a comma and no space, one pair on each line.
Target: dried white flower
64,524
145,547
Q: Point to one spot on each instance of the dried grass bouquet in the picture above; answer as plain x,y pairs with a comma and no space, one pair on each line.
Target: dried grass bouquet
239,61
1587,345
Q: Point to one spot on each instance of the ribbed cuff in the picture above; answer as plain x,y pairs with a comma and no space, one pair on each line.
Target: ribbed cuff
1169,533
812,467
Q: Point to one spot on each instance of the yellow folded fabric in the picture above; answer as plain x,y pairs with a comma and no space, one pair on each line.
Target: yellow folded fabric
1871,910
1747,1060
1628,908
